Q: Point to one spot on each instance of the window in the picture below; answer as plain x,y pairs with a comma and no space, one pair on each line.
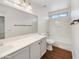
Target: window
59,15
55,16
63,14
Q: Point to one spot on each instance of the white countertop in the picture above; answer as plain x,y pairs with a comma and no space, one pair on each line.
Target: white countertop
16,43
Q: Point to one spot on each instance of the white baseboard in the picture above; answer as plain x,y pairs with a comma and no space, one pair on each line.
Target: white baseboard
62,45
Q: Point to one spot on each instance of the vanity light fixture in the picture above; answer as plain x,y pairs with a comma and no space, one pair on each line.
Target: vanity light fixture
21,3
29,6
13,1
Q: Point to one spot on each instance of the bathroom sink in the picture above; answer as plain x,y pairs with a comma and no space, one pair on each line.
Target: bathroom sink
5,48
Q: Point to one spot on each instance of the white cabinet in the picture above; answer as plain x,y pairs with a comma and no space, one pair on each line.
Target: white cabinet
21,54
43,46
35,50
38,49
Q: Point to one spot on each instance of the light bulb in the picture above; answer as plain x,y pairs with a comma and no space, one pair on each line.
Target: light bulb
29,7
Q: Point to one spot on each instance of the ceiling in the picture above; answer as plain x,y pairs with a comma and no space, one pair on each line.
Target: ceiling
38,2
53,5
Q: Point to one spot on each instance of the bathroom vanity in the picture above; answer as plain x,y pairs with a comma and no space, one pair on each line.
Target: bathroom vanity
31,46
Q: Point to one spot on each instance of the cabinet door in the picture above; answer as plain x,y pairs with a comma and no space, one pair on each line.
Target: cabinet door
35,50
43,46
21,54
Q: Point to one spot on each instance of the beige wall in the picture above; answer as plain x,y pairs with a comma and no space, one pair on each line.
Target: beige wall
75,28
42,13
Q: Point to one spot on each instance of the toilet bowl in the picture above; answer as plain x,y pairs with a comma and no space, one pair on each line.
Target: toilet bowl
50,43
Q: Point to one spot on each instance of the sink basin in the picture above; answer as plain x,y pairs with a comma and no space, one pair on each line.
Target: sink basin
5,48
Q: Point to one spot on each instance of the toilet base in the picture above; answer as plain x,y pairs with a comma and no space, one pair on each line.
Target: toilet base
49,47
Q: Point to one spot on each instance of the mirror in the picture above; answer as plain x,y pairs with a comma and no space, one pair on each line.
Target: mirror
14,22
2,27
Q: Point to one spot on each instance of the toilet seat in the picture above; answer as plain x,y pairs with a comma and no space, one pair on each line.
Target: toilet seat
50,41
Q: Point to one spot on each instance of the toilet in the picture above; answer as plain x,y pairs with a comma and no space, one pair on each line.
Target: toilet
50,43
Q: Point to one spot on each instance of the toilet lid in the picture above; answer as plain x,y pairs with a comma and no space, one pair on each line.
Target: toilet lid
50,41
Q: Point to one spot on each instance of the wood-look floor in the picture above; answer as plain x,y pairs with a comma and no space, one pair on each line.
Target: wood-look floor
57,53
